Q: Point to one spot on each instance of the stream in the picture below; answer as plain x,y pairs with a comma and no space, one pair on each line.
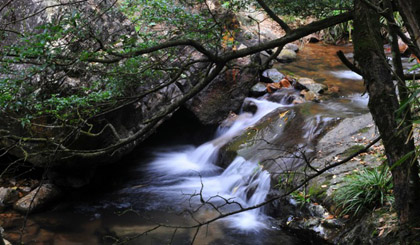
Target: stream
168,183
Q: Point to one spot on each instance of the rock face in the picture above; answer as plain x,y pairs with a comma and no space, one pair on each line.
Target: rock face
37,199
225,93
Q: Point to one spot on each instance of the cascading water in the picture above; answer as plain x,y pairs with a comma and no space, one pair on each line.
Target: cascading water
193,169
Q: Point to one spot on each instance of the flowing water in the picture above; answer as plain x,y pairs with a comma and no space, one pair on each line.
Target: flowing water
181,185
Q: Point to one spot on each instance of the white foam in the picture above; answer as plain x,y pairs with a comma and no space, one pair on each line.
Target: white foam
347,75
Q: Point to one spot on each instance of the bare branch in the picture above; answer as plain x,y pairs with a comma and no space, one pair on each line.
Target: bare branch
274,16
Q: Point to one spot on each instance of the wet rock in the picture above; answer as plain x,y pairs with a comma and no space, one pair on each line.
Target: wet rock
316,210
312,38
310,96
249,106
292,47
285,97
6,242
285,83
333,89
332,224
273,75
298,100
297,85
37,199
312,85
25,189
287,55
263,57
258,89
225,93
8,196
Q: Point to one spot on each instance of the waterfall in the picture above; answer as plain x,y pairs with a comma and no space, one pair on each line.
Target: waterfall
187,170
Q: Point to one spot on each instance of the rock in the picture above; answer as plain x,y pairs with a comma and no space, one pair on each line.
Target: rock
310,96
292,47
332,223
285,96
40,197
229,120
273,74
333,89
312,38
225,93
8,196
312,85
258,89
263,56
298,100
285,83
287,55
316,210
25,189
249,106
297,85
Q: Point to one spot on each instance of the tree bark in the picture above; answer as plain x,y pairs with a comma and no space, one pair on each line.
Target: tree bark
410,12
383,104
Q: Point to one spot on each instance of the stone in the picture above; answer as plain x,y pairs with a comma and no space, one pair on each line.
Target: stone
312,85
333,89
8,196
287,55
292,46
310,96
249,106
332,223
284,96
258,89
312,38
273,74
40,198
285,83
297,85
225,93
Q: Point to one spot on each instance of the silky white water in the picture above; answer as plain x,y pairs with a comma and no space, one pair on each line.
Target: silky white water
192,169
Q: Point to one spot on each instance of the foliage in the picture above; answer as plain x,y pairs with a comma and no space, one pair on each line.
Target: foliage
49,71
364,190
320,8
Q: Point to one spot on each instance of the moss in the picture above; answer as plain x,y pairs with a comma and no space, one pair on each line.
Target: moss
363,130
317,192
353,149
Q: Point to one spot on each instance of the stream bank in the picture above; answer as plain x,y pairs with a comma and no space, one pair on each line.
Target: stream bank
123,208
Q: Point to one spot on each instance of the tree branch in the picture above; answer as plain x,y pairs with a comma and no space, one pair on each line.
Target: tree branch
274,16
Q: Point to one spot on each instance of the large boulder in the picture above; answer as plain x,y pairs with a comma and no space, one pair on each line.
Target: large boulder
225,93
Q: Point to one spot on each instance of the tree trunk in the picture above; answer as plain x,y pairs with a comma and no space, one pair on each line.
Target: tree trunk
383,104
410,12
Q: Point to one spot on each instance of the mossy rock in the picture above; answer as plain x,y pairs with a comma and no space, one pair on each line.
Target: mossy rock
353,149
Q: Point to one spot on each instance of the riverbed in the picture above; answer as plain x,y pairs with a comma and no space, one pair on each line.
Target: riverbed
161,192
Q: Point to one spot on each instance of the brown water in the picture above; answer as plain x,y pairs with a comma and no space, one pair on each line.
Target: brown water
118,206
320,62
